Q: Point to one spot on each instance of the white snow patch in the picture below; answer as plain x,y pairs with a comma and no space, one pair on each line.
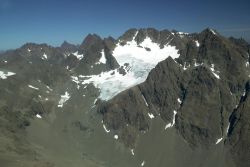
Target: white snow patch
214,72
236,106
169,41
197,64
102,59
168,126
5,75
38,116
76,80
179,100
46,99
104,127
173,121
28,50
244,93
182,34
141,62
151,116
197,43
5,61
49,88
63,99
144,100
136,33
143,163
132,152
247,64
66,54
116,137
216,75
219,140
78,56
44,56
185,67
95,101
33,87
228,126
212,31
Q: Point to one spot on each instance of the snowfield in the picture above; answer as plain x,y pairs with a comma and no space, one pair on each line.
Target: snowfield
63,99
5,75
138,61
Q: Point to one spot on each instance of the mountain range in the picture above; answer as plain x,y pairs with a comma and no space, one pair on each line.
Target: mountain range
149,98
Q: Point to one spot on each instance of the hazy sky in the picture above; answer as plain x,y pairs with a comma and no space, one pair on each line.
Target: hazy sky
52,22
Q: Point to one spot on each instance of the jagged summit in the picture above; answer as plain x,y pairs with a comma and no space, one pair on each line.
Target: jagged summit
68,47
209,30
90,40
35,45
66,44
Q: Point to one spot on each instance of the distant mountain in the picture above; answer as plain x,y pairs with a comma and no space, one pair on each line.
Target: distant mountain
67,47
148,98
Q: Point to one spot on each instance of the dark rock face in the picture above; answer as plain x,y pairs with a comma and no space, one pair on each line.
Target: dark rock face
205,108
92,47
207,99
160,37
110,43
239,131
128,35
110,60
